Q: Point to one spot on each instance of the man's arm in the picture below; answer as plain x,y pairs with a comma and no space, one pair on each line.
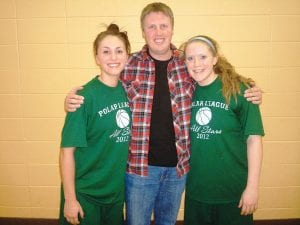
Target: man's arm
73,101
254,95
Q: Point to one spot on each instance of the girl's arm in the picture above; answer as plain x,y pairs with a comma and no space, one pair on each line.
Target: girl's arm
67,166
249,198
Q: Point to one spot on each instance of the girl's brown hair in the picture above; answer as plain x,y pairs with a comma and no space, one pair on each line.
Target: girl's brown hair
113,30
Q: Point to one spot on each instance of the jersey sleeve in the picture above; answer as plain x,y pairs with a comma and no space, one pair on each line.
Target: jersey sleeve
250,117
74,130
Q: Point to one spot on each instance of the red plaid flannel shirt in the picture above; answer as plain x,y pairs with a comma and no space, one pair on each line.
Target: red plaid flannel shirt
138,80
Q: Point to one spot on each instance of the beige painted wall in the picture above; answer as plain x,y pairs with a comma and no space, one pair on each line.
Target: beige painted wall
45,49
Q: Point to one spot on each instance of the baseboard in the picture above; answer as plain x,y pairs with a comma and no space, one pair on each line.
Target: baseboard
278,222
29,221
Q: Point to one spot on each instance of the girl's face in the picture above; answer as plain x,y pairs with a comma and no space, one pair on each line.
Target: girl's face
200,62
111,56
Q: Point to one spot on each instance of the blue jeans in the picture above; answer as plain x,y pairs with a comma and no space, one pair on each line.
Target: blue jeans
160,192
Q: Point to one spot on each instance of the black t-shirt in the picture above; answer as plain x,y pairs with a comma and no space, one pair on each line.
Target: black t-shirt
162,149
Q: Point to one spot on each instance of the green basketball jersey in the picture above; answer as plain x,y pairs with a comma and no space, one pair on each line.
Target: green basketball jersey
219,135
100,131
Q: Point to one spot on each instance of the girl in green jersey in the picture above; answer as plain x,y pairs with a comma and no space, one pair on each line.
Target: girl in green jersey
94,145
226,141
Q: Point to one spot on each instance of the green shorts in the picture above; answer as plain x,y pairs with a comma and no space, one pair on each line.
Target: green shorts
198,213
96,214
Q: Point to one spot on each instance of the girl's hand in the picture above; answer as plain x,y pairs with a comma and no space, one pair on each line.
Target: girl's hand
248,202
71,211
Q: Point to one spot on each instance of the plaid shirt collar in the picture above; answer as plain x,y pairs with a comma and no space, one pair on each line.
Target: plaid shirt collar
146,56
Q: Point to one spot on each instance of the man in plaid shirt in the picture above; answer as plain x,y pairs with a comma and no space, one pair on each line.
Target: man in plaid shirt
139,81
159,91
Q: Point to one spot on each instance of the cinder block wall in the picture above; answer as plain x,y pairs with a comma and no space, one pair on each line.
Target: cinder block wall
45,50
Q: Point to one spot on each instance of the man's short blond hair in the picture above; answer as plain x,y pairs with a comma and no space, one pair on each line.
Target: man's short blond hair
157,7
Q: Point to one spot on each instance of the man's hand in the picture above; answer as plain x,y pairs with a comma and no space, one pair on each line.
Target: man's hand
73,101
254,95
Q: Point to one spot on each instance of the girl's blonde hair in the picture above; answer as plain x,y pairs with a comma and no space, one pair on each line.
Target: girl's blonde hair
231,80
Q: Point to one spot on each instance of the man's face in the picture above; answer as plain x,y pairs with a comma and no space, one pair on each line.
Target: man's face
158,32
